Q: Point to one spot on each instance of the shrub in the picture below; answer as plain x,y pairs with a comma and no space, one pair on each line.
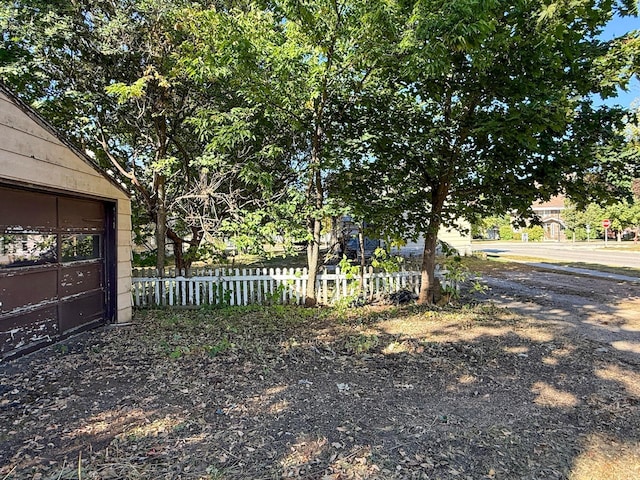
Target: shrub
536,233
506,232
145,258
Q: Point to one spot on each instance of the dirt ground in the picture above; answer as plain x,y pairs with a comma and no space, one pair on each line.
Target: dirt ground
546,389
600,309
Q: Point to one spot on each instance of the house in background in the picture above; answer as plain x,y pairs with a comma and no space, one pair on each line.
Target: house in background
460,242
550,213
65,236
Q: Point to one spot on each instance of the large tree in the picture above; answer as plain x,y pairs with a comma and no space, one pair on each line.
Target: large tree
299,60
482,107
107,73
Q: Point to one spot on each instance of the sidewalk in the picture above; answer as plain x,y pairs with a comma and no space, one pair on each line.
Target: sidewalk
585,271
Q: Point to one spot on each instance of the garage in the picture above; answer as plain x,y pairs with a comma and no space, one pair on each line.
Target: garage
65,236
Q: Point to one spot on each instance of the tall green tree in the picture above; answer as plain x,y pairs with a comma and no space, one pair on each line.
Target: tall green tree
584,222
108,74
298,61
481,108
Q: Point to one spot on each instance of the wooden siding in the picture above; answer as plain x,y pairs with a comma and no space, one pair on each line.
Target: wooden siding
462,243
31,155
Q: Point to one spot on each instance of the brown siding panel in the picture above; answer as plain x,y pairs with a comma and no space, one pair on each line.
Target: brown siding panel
80,215
26,211
28,288
28,329
81,311
80,278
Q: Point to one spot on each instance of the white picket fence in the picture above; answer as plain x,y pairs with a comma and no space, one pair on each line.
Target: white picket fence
262,286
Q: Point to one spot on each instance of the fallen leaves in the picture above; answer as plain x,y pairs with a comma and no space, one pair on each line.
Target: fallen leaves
298,394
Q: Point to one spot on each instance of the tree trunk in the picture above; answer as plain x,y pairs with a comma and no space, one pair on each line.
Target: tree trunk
178,255
334,241
313,259
363,262
315,199
184,260
428,285
161,223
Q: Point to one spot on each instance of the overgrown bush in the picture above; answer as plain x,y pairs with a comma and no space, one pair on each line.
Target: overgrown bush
536,233
506,232
145,258
581,234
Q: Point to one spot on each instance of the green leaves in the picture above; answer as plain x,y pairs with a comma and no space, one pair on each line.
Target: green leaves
138,89
412,113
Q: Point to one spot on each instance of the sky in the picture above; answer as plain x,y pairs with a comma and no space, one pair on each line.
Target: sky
616,27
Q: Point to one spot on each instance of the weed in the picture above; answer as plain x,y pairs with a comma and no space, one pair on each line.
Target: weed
274,298
278,309
231,328
387,262
341,308
213,473
179,351
220,347
362,343
62,349
456,273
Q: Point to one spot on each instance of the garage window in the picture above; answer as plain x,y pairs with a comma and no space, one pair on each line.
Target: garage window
78,247
27,250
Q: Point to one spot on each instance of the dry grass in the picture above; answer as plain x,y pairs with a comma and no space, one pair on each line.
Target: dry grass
279,392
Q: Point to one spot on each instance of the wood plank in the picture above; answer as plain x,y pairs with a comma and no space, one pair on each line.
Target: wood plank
24,289
81,311
245,288
36,211
124,315
24,169
14,118
237,287
124,286
123,252
27,329
156,292
123,207
53,153
123,224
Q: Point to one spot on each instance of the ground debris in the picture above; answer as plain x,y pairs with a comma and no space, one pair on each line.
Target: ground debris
283,392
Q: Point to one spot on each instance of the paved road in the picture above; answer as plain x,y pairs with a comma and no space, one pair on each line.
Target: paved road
579,252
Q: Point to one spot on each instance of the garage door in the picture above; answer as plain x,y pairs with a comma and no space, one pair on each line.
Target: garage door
52,267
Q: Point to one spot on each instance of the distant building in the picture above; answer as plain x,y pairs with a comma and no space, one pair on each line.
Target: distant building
460,242
550,214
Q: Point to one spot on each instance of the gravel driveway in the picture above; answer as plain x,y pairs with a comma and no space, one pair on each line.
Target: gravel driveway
597,308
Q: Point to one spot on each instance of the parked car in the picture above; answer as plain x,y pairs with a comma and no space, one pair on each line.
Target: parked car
352,248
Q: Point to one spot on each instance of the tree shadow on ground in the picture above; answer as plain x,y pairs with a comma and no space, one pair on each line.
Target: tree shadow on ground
281,392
